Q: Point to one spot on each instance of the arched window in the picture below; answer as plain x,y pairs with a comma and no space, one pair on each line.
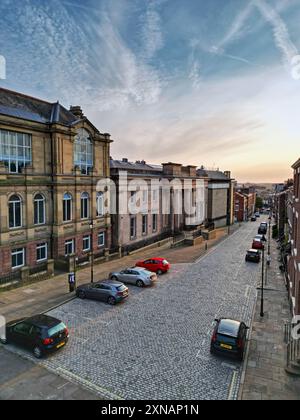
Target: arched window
67,208
85,206
15,212
83,152
100,204
39,209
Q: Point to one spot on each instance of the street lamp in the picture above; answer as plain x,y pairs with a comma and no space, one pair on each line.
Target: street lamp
262,284
92,252
269,244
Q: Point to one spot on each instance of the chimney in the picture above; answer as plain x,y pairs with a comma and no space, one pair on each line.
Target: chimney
77,111
125,160
228,174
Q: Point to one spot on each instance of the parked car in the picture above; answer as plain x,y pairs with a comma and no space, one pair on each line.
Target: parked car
109,291
263,229
253,219
260,238
229,337
258,244
41,334
137,276
253,255
155,265
257,214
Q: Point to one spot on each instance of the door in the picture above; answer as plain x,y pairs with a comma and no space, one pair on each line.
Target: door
101,292
21,335
127,276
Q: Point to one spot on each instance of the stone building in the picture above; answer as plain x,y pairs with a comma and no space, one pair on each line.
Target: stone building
51,159
220,197
151,223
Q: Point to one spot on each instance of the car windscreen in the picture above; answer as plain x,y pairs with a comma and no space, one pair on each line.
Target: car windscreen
57,329
226,340
121,288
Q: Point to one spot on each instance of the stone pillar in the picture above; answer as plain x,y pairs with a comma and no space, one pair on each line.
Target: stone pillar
24,274
50,267
106,254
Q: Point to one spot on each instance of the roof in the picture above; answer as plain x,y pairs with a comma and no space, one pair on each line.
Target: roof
214,175
43,321
137,166
14,104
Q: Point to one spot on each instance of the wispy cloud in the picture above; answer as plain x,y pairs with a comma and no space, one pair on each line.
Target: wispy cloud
151,30
281,33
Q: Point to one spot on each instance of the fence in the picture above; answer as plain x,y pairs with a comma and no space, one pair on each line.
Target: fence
293,350
10,278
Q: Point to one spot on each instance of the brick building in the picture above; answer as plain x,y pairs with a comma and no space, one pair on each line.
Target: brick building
245,203
50,161
293,211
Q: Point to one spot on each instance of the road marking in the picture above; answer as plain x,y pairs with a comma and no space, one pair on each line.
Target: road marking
231,395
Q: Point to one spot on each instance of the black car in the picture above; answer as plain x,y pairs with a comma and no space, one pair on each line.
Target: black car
229,337
40,334
263,229
253,255
253,219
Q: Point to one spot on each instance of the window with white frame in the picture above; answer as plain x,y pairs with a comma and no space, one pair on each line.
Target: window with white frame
15,212
83,152
86,243
39,209
18,258
42,252
67,207
69,247
15,150
100,204
85,206
101,240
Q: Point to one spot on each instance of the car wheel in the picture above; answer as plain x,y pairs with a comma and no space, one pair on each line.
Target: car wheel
111,301
241,357
114,278
37,352
81,295
140,283
159,272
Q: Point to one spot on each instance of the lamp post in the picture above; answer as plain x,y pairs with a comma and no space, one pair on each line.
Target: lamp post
92,251
269,244
262,284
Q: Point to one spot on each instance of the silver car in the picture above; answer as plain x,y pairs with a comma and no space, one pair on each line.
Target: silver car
137,276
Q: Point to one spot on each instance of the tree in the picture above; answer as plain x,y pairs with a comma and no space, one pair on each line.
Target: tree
259,203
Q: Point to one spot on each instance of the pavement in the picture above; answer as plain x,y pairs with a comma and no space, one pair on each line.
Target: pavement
156,344
265,376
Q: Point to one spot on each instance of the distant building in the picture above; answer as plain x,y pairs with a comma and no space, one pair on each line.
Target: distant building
245,203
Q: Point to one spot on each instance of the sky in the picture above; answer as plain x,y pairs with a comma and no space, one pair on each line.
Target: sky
213,83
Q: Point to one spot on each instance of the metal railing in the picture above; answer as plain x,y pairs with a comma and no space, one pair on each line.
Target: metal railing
293,348
10,278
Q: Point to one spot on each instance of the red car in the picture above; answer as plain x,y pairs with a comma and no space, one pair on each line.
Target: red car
155,265
258,244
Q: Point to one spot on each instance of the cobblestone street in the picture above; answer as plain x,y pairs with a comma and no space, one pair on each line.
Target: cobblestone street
156,345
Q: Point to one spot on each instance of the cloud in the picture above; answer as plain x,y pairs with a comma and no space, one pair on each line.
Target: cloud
280,31
151,30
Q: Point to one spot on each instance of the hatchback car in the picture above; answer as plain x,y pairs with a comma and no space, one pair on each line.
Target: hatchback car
138,276
155,265
40,334
258,244
253,255
229,337
263,229
253,219
109,291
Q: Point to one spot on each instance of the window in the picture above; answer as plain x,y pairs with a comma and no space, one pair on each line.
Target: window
154,222
101,239
83,152
18,258
86,243
69,247
15,150
15,212
145,225
39,210
41,252
132,227
67,208
100,204
85,199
